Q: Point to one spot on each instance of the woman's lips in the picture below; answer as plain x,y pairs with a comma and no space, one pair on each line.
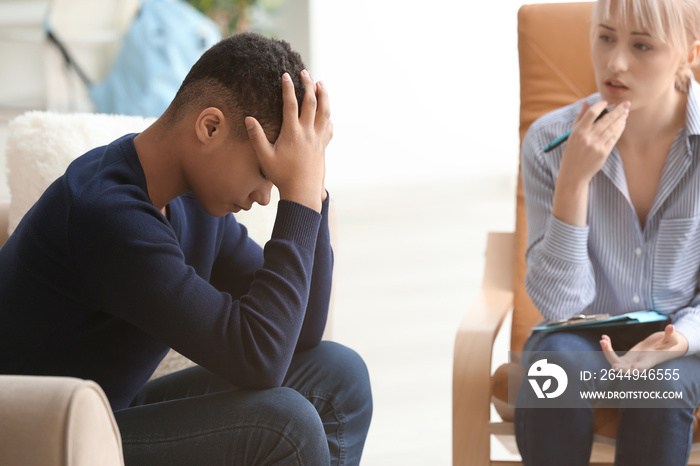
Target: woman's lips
615,87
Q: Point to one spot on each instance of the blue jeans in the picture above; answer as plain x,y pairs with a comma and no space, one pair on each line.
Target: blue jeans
556,436
319,416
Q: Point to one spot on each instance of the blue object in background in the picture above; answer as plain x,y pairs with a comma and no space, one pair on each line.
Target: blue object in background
165,39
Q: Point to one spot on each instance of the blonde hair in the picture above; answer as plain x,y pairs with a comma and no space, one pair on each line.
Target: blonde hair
674,22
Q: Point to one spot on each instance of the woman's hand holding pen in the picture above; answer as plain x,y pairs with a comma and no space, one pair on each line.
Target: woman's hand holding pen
590,144
584,155
648,353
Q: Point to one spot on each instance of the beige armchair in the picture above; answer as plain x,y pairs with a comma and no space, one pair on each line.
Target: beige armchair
56,421
555,70
47,421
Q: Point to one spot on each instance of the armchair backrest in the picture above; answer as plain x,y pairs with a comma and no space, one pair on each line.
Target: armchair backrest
555,70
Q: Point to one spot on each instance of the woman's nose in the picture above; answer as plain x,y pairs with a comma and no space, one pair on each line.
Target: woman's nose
618,60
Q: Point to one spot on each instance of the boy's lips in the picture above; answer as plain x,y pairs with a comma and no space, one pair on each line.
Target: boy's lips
237,208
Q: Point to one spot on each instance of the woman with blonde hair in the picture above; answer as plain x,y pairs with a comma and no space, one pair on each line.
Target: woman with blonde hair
614,227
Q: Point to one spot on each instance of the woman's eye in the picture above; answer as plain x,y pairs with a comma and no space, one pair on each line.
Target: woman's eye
642,47
605,38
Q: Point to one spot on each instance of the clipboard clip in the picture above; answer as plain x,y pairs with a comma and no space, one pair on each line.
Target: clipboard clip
578,319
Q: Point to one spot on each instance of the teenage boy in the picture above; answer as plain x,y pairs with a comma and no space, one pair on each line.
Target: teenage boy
132,252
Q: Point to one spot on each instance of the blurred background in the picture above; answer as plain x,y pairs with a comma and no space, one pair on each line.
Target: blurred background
425,102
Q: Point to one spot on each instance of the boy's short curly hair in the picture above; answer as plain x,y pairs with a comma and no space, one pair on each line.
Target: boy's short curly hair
242,76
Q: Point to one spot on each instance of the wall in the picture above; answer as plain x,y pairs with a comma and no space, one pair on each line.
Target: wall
419,90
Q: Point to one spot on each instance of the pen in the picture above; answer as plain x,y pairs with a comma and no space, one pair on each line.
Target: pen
555,143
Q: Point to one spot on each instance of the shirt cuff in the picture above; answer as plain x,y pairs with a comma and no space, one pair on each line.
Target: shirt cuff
566,242
296,222
689,327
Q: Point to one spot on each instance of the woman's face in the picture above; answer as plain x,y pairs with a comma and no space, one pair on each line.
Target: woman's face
632,64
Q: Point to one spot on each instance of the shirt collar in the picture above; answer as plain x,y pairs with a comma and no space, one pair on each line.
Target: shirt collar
692,116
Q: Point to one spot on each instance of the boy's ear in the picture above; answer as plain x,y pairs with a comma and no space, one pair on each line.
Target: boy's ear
211,125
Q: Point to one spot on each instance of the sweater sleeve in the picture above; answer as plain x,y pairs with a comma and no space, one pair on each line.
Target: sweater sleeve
321,283
239,257
560,278
132,266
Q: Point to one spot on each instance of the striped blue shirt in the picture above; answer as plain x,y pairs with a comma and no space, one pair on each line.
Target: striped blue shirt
612,265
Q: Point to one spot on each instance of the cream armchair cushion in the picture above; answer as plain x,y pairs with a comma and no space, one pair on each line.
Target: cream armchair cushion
41,145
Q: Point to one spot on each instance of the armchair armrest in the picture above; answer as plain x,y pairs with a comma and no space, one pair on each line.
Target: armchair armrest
4,220
471,390
56,421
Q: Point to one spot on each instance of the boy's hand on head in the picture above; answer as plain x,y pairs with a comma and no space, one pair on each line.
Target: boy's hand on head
296,162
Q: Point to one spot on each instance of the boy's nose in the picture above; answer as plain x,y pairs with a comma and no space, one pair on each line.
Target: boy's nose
262,194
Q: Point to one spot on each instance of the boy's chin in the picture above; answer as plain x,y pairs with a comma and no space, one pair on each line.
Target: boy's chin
218,211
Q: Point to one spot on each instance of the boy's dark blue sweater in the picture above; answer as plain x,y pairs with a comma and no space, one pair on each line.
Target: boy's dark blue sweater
96,283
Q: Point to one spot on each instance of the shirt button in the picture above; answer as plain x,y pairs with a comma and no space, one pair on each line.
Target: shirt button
635,299
638,252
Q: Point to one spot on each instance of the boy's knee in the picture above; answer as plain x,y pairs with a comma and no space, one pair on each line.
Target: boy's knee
294,426
336,380
347,372
344,360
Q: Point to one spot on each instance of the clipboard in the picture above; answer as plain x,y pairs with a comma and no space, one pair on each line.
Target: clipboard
604,321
